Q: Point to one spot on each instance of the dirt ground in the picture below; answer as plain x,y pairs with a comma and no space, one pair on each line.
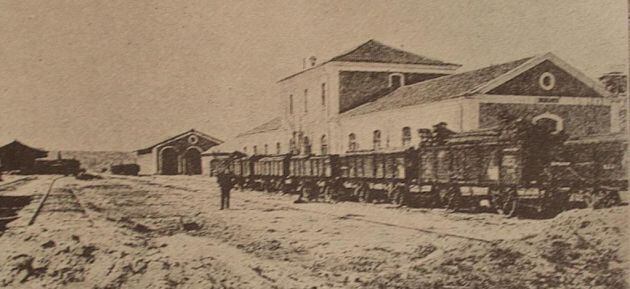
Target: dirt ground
167,232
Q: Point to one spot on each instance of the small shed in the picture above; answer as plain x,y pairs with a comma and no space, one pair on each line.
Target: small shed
178,155
16,156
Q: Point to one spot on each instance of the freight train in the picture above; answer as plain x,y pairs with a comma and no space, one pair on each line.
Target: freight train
510,169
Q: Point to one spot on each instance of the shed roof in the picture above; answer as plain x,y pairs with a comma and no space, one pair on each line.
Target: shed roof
18,146
468,83
271,125
441,88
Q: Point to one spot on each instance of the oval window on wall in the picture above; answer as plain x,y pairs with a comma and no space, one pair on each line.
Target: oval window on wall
193,139
547,81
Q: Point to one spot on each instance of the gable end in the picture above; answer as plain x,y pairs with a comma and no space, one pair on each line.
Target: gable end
545,79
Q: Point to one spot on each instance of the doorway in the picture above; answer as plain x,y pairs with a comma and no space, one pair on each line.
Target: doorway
169,161
192,162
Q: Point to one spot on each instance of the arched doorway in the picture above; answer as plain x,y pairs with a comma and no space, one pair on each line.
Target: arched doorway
192,161
168,159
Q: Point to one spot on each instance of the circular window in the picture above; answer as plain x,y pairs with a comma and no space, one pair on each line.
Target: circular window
193,139
547,81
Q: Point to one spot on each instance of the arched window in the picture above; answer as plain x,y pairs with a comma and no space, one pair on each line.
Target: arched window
292,146
406,136
291,104
324,145
376,140
307,146
266,149
396,80
305,100
352,142
278,148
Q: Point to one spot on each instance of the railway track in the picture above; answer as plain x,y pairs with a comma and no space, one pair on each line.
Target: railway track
59,203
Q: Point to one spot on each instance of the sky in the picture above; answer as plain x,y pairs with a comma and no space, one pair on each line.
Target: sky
122,75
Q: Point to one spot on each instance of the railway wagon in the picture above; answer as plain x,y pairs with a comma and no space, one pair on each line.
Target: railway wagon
371,176
312,176
464,169
241,168
499,168
593,170
270,172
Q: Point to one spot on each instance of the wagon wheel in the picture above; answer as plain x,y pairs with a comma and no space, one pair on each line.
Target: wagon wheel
364,194
453,201
612,199
497,201
511,207
591,199
269,186
434,199
312,191
329,193
280,186
397,196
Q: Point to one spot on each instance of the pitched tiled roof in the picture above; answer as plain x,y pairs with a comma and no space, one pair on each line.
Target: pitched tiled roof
374,51
17,145
149,148
274,124
441,88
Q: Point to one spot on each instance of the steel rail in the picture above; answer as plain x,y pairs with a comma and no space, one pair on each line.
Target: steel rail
43,200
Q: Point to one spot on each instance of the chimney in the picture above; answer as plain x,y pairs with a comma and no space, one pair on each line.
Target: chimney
303,63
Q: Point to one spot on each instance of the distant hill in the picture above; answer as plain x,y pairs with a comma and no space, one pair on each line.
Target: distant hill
98,160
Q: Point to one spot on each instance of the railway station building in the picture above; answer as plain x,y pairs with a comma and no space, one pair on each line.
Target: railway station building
178,155
376,97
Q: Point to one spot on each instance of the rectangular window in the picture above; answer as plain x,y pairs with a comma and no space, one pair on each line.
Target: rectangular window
291,104
406,136
323,94
306,100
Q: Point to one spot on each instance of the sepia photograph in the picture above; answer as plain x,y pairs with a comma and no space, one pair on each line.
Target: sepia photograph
438,144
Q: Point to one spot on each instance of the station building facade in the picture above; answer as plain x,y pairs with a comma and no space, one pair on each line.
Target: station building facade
376,97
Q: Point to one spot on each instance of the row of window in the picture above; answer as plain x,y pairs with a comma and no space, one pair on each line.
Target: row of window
323,99
395,80
265,149
376,140
303,147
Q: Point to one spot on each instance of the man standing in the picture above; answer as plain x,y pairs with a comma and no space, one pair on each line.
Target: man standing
224,178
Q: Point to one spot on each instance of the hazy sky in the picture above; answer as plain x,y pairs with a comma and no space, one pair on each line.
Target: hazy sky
120,75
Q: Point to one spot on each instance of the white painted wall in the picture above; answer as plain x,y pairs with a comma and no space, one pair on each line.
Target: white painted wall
391,123
259,140
148,163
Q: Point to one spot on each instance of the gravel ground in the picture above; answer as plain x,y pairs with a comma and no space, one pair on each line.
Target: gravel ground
167,232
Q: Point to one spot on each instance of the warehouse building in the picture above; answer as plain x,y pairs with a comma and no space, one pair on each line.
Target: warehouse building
16,156
376,97
178,155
